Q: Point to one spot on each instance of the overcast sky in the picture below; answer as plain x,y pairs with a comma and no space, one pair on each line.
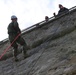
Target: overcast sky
29,12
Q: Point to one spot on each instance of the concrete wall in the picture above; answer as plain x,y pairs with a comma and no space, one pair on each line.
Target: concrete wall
52,49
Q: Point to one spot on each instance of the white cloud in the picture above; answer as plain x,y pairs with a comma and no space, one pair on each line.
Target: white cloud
28,12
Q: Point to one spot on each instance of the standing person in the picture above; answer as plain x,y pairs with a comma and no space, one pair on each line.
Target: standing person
62,10
13,32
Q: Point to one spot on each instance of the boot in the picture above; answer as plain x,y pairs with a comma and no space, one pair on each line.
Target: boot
16,59
26,55
15,54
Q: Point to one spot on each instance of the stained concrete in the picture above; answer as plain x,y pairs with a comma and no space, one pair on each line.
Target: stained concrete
52,50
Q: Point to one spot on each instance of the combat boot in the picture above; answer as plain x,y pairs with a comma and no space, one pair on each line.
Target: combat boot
15,54
26,55
16,59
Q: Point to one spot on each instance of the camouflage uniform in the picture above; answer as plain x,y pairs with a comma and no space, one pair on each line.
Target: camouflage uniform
14,31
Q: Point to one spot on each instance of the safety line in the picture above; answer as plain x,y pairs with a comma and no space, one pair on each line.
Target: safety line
42,52
9,46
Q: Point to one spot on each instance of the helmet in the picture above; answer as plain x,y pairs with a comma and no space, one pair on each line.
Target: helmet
13,17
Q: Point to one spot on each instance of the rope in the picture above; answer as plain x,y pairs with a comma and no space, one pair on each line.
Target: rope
9,46
38,57
42,52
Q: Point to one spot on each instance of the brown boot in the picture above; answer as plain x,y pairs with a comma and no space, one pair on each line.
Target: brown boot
15,54
16,59
26,55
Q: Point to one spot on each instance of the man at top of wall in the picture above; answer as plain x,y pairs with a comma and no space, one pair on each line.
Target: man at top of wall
62,10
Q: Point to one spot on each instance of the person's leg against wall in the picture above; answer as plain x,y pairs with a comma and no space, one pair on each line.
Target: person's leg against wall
22,42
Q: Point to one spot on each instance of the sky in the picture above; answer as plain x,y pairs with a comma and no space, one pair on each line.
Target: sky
28,12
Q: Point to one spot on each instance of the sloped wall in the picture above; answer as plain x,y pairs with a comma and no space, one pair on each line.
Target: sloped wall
52,49
52,30
48,31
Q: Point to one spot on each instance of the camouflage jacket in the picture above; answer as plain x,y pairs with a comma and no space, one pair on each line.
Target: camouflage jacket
13,27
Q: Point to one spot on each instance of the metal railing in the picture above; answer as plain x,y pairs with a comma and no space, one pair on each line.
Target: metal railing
40,24
43,22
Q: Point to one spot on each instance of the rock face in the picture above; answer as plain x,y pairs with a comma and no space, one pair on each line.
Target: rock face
52,50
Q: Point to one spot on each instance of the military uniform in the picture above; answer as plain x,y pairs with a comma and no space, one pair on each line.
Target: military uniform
14,31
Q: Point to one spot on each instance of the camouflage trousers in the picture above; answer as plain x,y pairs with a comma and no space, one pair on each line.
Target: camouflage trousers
20,41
